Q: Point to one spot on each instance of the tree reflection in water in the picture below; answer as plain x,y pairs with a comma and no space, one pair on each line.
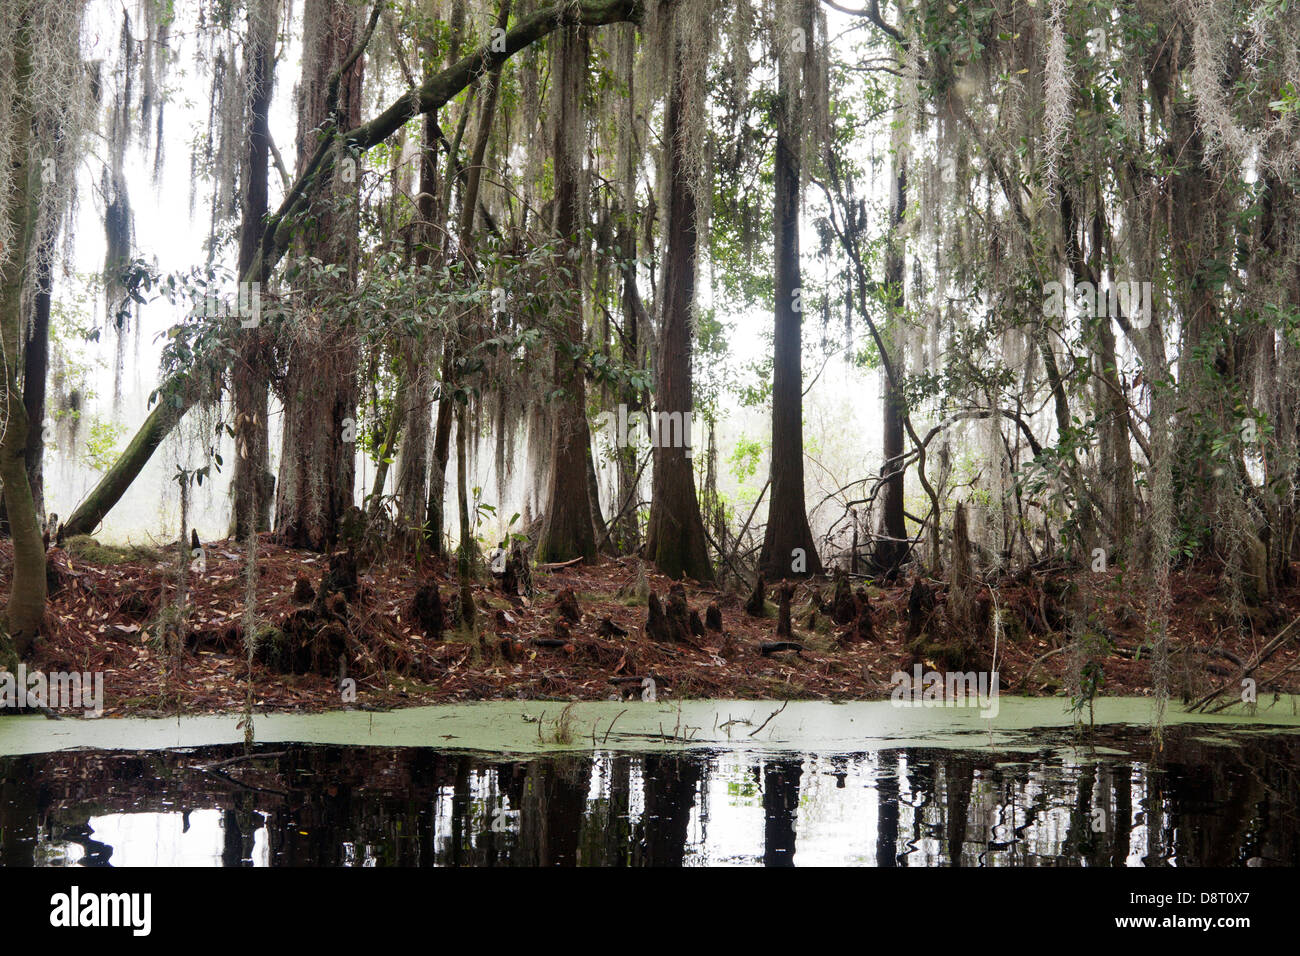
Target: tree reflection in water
1200,804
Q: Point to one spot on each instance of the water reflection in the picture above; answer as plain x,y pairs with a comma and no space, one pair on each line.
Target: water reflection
1200,804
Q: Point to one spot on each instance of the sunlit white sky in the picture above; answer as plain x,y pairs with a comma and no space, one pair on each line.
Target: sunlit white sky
842,431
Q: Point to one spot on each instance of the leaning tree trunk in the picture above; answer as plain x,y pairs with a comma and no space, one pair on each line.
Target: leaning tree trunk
318,458
110,489
567,530
788,536
25,610
675,539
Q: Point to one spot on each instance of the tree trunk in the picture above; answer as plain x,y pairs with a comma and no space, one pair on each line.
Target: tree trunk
787,532
567,530
627,529
441,454
413,465
1115,453
413,475
253,483
891,547
25,610
465,243
593,495
437,505
318,457
36,366
675,539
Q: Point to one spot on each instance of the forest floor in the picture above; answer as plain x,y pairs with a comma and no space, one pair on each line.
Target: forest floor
112,610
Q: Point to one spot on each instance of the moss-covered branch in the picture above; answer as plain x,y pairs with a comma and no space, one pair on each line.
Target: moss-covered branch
432,95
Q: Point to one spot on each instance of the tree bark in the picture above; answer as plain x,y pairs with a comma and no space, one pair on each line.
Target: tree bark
253,483
318,455
437,510
787,529
892,547
413,474
465,242
675,539
25,610
36,366
567,530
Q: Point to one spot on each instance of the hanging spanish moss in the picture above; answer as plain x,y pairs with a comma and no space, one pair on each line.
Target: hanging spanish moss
778,347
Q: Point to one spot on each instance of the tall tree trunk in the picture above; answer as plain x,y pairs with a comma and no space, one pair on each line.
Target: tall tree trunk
446,418
413,473
675,539
467,554
788,538
25,610
1115,451
626,533
318,458
567,530
627,529
253,482
593,495
1206,376
472,177
891,547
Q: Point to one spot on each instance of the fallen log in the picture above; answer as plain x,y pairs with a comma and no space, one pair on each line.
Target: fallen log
548,642
768,648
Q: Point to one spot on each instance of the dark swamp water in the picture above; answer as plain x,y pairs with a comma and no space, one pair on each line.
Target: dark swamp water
1199,802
